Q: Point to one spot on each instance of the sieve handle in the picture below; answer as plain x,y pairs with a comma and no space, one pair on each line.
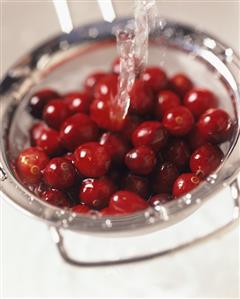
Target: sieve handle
235,192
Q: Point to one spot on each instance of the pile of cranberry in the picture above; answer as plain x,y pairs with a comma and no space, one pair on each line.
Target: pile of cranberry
80,159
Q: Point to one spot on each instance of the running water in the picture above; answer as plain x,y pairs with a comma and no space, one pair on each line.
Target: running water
133,52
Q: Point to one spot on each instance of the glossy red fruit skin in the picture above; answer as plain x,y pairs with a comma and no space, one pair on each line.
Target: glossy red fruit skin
70,157
185,183
155,78
115,67
115,145
131,123
136,184
178,121
159,199
78,102
167,99
195,139
141,98
96,193
178,153
150,133
164,177
59,173
77,130
30,163
92,80
40,99
198,100
92,159
205,159
108,212
107,87
141,160
36,131
215,125
125,202
55,113
181,84
56,198
80,209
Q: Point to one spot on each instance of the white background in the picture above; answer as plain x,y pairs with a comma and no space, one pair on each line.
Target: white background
30,264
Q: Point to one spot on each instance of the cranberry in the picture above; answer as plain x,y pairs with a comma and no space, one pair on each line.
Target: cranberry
159,199
141,99
80,209
39,100
199,100
136,184
78,102
178,153
107,211
96,193
76,130
181,84
116,66
167,99
141,160
116,146
92,80
70,157
178,121
150,133
124,202
56,198
155,78
92,159
107,87
36,131
131,123
185,183
55,112
30,163
195,138
59,173
205,159
215,125
164,177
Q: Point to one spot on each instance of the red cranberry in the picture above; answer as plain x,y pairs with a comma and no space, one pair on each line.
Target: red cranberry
76,130
195,138
30,163
92,80
215,125
56,198
80,209
205,159
107,87
178,121
124,202
92,159
136,184
141,98
78,102
96,193
155,78
70,157
199,100
59,173
150,133
116,66
55,112
181,84
36,131
166,100
185,183
108,212
131,123
40,99
178,153
159,199
141,160
164,177
116,146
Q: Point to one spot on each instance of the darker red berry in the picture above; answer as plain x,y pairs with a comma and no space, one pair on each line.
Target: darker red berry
30,163
136,184
107,87
96,193
167,99
185,183
150,133
56,198
78,102
195,138
124,202
181,84
159,199
178,153
205,159
215,125
76,130
92,80
155,78
178,121
80,209
92,159
55,112
59,173
131,123
70,157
